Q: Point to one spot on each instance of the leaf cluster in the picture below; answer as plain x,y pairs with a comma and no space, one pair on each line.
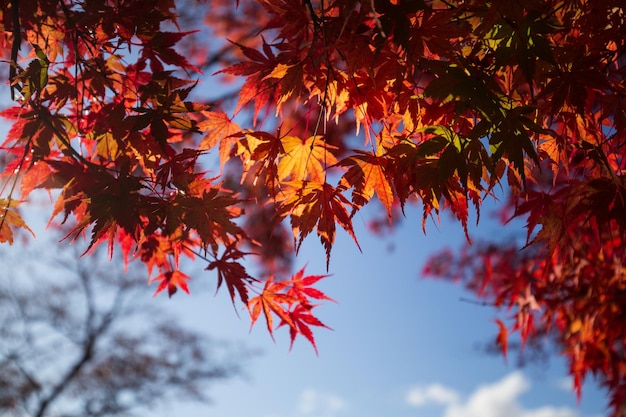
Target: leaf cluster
339,103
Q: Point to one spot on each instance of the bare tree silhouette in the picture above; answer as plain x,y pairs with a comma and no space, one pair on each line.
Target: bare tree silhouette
76,340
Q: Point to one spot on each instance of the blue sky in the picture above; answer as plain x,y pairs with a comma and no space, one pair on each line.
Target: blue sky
400,346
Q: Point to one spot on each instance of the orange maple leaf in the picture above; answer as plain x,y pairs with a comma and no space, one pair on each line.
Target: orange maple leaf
367,175
220,130
9,219
315,205
271,300
260,153
305,159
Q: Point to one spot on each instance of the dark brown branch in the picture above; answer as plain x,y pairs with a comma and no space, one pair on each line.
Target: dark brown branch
15,47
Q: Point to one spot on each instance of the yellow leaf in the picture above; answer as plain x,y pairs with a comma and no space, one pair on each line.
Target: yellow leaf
375,181
279,71
107,146
575,326
305,159
10,219
367,176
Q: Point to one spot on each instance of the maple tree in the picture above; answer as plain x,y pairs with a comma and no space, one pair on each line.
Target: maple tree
430,102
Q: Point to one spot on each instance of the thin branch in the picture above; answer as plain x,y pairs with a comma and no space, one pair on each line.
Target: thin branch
476,302
15,46
88,350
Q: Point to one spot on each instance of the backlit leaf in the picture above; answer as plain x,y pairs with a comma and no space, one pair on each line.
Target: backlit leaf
305,159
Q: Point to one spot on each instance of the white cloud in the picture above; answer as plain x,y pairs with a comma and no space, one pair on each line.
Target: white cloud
491,400
434,393
316,404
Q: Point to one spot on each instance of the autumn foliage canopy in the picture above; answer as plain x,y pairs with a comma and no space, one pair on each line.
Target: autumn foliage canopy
334,104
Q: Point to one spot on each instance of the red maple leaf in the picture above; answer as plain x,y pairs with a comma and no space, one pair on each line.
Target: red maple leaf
171,280
290,301
502,338
301,286
271,301
232,273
